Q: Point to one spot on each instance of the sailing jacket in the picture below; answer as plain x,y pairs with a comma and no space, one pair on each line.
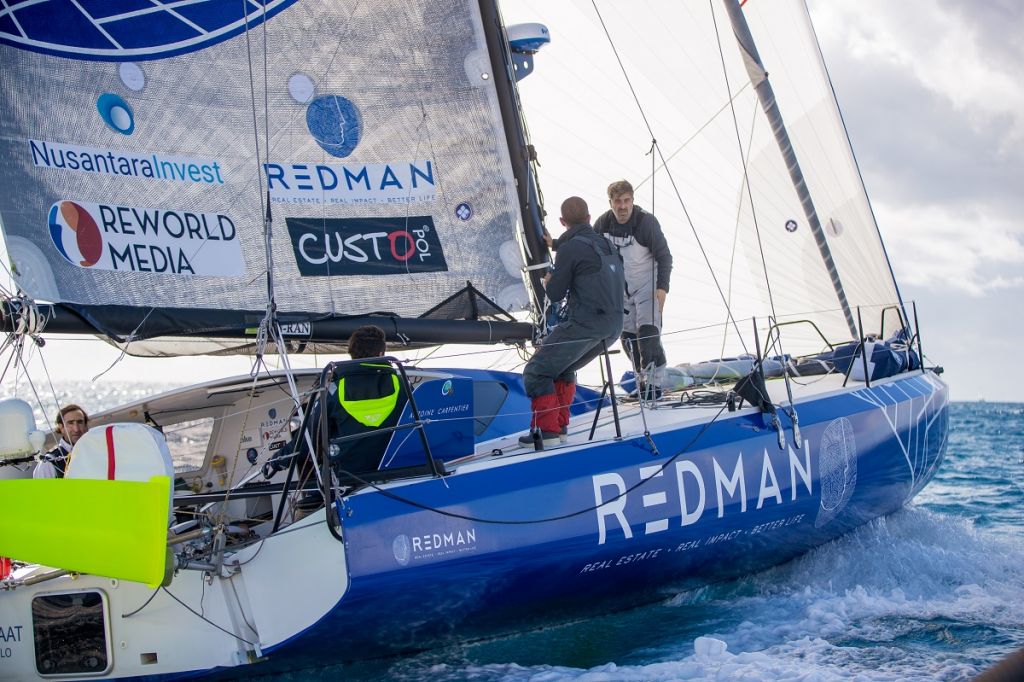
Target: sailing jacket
590,272
366,397
57,457
642,246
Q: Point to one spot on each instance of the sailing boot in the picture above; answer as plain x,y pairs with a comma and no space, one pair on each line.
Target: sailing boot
565,390
652,358
544,424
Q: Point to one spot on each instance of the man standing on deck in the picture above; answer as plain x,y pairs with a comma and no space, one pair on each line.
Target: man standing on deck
588,270
648,263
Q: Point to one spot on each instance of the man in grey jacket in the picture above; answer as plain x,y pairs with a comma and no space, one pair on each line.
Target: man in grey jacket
589,272
648,263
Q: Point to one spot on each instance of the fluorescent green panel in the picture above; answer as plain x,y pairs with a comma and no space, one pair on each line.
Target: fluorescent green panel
117,529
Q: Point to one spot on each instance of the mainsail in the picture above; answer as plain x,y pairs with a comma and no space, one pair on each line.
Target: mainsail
696,144
150,146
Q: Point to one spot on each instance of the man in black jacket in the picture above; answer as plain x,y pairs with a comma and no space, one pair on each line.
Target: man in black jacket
648,264
588,270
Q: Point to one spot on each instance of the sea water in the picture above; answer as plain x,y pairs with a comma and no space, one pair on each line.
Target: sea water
932,592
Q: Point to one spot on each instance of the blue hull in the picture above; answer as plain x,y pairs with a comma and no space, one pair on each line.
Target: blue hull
617,524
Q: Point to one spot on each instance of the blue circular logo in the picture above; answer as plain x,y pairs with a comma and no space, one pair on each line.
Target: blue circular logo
116,113
464,211
125,30
790,225
272,413
252,455
335,124
446,388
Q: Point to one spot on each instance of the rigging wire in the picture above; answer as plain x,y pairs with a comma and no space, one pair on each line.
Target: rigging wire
743,161
753,213
204,618
671,178
694,136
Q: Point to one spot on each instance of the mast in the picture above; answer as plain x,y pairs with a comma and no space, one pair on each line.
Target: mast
519,150
766,96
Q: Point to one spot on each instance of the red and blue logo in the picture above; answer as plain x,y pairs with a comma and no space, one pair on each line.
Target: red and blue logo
75,233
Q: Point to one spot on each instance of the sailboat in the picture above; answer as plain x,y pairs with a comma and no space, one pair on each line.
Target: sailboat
263,178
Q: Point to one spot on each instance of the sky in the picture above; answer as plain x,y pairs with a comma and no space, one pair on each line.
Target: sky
930,92
931,95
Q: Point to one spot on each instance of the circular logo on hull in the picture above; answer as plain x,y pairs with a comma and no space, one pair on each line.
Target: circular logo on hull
838,453
402,549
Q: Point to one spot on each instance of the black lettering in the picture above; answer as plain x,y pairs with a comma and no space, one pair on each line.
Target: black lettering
192,222
107,219
141,262
147,221
121,257
124,218
225,225
173,225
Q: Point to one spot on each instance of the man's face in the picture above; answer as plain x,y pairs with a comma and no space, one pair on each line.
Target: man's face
622,207
74,426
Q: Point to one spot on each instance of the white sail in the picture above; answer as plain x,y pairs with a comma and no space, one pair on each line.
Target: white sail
589,131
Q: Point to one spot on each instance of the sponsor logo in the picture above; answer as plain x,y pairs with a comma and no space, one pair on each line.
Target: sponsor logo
692,487
791,226
365,246
122,30
446,387
296,329
464,211
838,453
129,239
116,113
433,545
335,124
377,183
402,550
112,162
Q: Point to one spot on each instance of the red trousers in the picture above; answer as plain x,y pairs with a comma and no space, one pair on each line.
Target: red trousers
551,411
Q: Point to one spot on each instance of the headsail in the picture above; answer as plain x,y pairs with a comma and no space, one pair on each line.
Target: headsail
145,142
716,179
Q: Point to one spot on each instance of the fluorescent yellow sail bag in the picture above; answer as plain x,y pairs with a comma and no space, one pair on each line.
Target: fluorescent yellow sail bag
116,529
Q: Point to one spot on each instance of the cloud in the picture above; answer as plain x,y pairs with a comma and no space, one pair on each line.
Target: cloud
967,251
931,97
948,48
